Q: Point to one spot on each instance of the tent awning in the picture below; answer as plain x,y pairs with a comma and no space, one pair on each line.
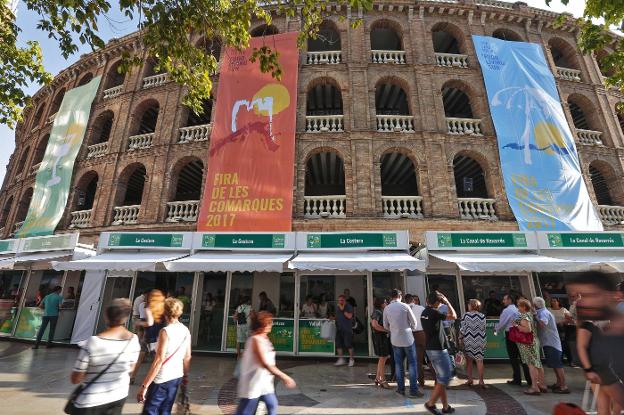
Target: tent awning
355,261
120,261
36,258
605,259
509,262
224,261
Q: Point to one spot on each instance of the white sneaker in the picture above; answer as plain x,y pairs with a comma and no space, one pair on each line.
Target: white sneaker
340,362
351,362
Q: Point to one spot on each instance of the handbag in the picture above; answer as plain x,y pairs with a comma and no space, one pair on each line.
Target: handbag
517,336
460,359
356,325
70,406
328,330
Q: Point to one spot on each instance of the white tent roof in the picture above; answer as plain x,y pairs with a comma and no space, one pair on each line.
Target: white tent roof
222,261
121,261
355,261
509,262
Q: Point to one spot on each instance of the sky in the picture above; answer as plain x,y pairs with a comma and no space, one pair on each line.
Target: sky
116,26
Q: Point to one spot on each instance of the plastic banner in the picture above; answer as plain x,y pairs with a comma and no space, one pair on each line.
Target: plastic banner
54,177
249,185
540,165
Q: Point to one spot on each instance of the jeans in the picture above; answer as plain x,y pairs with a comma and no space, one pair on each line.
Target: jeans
249,406
399,355
441,362
44,323
160,397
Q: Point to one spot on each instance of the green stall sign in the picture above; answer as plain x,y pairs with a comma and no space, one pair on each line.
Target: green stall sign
352,240
240,240
48,243
310,340
482,240
282,336
586,240
146,240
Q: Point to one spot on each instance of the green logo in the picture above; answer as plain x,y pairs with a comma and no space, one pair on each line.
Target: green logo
208,241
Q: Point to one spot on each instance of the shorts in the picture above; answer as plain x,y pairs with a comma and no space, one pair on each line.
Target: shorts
344,339
553,357
441,362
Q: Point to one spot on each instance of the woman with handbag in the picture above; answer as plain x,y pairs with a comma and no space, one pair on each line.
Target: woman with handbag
381,342
104,365
473,338
171,363
524,334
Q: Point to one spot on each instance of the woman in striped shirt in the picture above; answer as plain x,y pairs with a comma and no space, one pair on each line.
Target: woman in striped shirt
107,395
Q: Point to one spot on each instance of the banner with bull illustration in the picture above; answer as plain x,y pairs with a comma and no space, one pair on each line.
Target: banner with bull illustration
54,176
540,165
249,186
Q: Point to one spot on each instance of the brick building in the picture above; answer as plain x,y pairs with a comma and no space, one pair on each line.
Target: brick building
393,128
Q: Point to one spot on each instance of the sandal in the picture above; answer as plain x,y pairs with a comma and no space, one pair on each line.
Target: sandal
561,391
484,386
544,390
432,409
532,393
449,410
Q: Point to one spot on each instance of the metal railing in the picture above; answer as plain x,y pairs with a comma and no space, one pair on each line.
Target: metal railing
325,206
472,208
402,207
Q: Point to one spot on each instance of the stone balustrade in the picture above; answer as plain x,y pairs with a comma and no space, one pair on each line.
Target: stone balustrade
113,92
402,207
136,142
155,80
568,74
325,206
611,215
195,133
97,150
463,126
395,123
18,176
51,118
17,226
388,56
472,208
126,215
183,211
589,137
319,58
495,3
451,59
324,123
80,219
35,168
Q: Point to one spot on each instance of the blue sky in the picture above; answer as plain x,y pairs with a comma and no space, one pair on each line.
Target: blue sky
117,26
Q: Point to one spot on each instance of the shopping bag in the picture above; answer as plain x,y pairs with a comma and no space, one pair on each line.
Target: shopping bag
460,360
328,330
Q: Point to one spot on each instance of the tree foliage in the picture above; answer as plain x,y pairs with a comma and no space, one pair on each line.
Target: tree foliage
168,31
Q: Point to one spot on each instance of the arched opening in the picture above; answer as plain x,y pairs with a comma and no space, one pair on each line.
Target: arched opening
324,99
85,79
6,211
601,186
148,120
585,118
384,36
212,46
456,103
506,34
193,119
41,149
469,178
86,190
606,68
564,55
327,39
102,128
390,99
189,184
56,103
264,30
114,77
445,39
399,187
23,206
578,116
325,185
38,115
620,117
133,194
151,67
23,160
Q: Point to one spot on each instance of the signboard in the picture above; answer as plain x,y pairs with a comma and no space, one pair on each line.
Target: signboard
351,240
249,185
49,243
283,335
310,340
244,241
540,165
583,240
146,240
495,345
53,180
481,240
8,246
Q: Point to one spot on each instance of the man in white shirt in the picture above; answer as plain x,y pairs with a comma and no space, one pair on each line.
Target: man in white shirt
420,340
505,322
399,320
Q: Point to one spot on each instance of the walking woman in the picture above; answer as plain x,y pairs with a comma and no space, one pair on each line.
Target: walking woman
530,353
257,369
110,356
381,342
171,363
472,331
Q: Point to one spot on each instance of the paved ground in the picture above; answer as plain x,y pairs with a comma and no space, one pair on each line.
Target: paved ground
36,382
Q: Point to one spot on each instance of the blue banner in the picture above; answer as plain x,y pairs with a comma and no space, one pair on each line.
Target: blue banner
540,165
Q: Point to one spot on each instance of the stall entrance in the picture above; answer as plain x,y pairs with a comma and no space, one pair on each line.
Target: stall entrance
116,286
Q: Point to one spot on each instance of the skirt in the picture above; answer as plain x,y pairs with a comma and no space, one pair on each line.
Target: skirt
381,345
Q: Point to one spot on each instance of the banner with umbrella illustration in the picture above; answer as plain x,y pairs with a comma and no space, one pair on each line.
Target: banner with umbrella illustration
538,156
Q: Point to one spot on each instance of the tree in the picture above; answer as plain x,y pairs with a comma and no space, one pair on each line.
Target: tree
165,31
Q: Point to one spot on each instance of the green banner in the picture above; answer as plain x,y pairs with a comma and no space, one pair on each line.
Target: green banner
352,240
164,240
283,335
55,173
29,323
495,347
586,240
243,240
482,240
310,340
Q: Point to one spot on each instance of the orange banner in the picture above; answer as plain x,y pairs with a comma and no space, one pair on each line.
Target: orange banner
249,186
